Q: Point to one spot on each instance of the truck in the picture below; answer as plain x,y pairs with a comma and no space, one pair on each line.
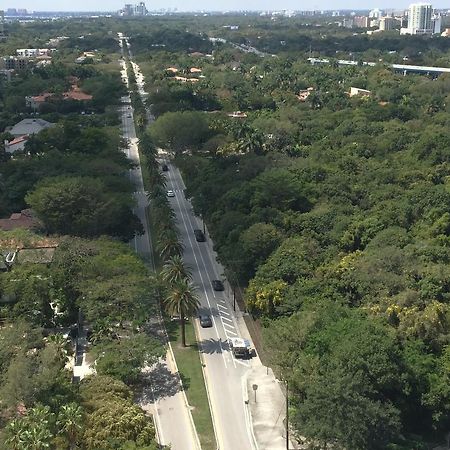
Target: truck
241,348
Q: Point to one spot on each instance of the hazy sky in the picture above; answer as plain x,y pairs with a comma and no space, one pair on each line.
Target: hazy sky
194,5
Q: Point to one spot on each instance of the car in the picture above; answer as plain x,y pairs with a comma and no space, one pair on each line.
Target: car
165,168
205,321
129,116
217,285
199,236
170,194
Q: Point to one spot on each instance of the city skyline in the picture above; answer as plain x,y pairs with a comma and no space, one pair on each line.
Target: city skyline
217,5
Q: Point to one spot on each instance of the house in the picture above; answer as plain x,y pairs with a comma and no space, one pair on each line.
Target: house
29,126
304,94
237,115
195,70
24,219
357,92
17,144
172,69
35,101
76,94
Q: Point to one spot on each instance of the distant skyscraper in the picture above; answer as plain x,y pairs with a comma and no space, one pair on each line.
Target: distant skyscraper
387,23
436,23
140,9
419,18
375,14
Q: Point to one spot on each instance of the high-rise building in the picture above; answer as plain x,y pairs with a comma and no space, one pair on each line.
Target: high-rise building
436,23
387,23
140,9
361,22
419,19
375,14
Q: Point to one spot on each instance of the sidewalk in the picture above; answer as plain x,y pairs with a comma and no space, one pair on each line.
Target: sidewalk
268,412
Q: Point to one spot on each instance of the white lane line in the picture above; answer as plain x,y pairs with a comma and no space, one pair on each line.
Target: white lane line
227,325
173,183
244,363
226,318
223,312
231,332
200,274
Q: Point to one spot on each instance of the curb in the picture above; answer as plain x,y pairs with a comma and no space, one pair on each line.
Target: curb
191,420
205,380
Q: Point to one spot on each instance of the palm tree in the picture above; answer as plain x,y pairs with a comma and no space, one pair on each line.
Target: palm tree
170,246
174,270
70,419
61,344
183,301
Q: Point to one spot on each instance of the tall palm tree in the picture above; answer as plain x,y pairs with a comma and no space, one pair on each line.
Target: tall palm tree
70,420
183,301
174,270
170,246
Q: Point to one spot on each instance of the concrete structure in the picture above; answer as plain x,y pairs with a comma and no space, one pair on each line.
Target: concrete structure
29,127
419,19
387,23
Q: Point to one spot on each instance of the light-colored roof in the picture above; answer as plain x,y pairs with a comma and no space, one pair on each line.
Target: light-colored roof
30,126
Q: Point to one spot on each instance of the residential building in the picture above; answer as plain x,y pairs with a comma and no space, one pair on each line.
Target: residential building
140,9
29,126
24,219
358,92
387,23
419,19
436,23
361,22
375,14
16,145
14,63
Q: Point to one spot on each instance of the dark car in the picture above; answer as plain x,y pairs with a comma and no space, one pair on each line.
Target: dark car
217,285
165,168
199,236
205,321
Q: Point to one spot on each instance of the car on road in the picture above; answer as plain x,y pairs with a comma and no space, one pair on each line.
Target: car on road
129,116
199,236
205,321
165,168
170,194
217,285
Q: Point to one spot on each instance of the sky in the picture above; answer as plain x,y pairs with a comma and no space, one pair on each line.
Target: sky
210,5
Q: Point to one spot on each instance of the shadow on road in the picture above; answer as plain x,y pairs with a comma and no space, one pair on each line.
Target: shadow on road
211,346
161,383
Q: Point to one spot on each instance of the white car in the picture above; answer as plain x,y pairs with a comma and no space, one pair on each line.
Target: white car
170,194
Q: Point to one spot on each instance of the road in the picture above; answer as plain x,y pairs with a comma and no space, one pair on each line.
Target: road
172,416
225,374
227,378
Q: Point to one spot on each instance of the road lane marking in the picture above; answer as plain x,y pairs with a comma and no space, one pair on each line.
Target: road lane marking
226,318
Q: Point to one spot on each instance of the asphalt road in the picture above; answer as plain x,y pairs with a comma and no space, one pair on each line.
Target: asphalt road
170,411
225,374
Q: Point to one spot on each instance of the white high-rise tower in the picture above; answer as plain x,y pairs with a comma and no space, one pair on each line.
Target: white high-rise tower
419,18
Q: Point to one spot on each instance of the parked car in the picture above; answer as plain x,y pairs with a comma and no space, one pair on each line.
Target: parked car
217,285
205,321
170,194
165,168
199,236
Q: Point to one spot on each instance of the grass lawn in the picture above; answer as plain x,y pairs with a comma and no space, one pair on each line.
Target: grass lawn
189,365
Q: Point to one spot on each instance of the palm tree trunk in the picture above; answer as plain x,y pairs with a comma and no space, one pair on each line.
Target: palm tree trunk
183,331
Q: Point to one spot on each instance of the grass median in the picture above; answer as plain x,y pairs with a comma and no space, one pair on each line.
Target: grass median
189,366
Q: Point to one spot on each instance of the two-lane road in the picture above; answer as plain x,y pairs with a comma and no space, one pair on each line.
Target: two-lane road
225,374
